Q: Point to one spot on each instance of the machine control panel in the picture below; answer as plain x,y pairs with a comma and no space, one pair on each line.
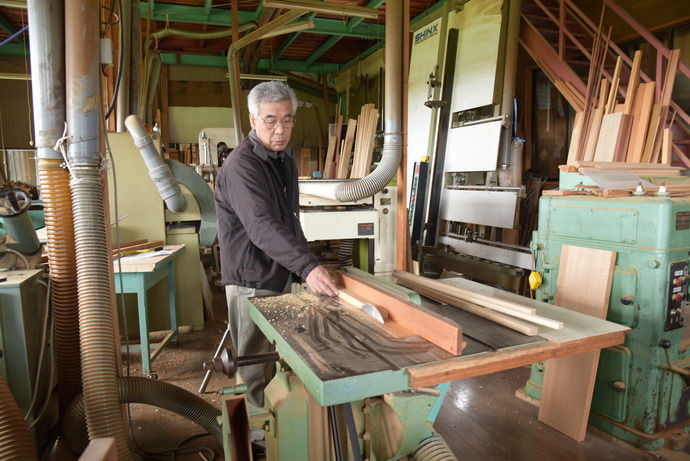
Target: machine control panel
677,295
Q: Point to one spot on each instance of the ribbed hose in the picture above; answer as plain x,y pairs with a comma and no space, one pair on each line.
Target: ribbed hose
433,449
376,181
98,347
345,252
15,441
151,392
159,171
57,206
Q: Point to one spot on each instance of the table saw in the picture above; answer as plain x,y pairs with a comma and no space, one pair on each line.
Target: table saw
350,387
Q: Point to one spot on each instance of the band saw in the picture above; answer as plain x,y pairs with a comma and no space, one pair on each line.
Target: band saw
350,387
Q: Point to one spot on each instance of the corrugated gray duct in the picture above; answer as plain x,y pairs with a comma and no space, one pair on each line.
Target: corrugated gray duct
151,392
159,171
352,191
99,347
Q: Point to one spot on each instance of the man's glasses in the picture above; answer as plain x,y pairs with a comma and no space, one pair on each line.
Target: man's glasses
271,122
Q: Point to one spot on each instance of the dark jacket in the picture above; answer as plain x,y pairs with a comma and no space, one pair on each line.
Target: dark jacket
260,237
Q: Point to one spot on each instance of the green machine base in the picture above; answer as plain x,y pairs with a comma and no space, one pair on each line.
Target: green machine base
642,388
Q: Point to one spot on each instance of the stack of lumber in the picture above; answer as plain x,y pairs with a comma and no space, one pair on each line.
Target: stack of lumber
358,146
633,130
501,311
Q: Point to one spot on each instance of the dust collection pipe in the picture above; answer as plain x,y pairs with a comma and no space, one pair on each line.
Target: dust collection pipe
152,58
392,137
142,390
124,32
152,64
15,440
509,78
94,272
47,51
159,171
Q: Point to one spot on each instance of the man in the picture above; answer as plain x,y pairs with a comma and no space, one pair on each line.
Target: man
259,233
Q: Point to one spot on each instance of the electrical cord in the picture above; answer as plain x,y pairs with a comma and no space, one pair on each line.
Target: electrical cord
118,79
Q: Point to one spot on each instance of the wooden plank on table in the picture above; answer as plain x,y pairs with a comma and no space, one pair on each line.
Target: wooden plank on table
480,329
473,301
496,317
346,152
445,333
569,381
139,246
641,113
611,136
129,244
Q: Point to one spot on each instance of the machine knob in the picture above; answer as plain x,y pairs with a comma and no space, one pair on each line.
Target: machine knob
626,300
618,386
677,282
665,343
678,297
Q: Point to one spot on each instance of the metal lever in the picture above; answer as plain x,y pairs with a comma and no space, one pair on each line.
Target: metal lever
665,344
209,372
228,363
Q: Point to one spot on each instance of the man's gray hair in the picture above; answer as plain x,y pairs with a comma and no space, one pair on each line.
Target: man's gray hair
267,92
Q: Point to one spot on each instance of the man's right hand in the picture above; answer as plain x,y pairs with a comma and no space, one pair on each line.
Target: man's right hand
320,282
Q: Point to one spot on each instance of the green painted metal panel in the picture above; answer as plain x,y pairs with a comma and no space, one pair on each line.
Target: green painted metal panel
651,237
614,367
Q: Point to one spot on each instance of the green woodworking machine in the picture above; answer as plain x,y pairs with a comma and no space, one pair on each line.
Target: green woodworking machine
642,386
349,387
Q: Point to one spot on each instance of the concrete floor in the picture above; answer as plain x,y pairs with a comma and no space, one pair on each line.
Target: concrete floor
481,418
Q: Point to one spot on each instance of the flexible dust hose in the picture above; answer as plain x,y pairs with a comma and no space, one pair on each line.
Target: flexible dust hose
15,440
392,138
62,263
96,319
150,392
379,178
159,171
433,449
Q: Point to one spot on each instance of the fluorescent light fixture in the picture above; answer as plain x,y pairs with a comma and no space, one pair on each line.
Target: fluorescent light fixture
322,7
281,78
290,28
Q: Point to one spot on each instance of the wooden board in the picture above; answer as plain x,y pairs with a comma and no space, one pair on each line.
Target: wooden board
434,328
569,381
328,166
574,149
611,136
346,152
641,113
593,133
476,301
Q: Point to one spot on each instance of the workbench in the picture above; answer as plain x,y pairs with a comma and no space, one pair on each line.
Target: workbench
342,355
138,273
